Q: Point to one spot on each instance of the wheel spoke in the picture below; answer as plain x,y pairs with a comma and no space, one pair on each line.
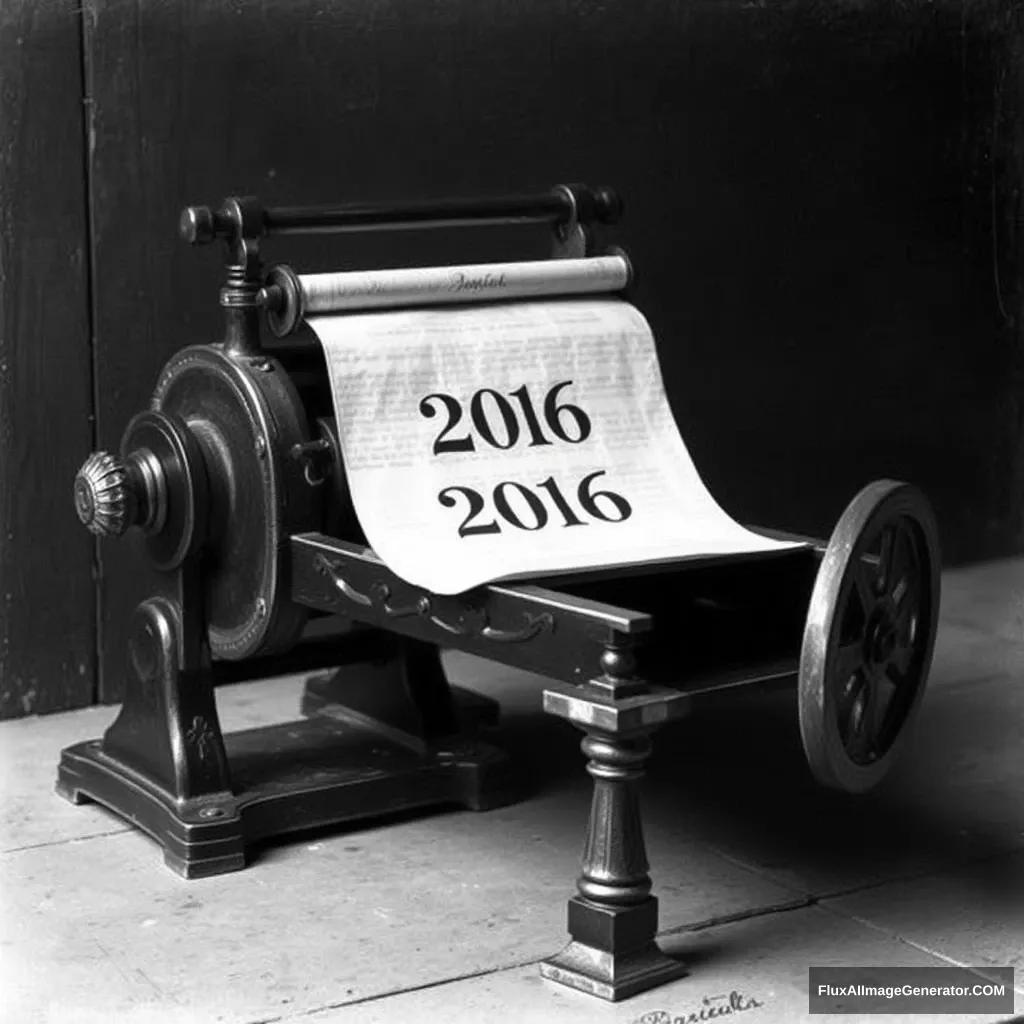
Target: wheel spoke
907,637
900,662
858,737
899,665
909,600
886,556
864,582
864,738
849,661
896,672
849,705
848,679
899,575
880,691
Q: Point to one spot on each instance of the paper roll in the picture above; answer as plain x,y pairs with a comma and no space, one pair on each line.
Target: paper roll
482,282
516,439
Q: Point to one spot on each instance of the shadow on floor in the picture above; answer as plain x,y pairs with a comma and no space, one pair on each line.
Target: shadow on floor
735,778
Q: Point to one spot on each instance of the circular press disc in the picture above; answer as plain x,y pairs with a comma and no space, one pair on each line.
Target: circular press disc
246,415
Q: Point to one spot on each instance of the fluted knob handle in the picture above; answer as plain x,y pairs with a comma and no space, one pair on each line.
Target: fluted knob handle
102,495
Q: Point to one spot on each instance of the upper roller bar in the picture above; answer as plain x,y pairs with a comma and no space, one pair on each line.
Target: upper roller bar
242,222
289,297
564,204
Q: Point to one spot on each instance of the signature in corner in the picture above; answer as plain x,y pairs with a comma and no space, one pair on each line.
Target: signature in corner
711,1008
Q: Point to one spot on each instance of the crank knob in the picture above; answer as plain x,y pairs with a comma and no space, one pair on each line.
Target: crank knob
197,225
103,496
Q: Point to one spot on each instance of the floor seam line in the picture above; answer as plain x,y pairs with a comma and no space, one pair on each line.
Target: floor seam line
743,915
938,954
757,872
913,876
67,841
784,907
327,1007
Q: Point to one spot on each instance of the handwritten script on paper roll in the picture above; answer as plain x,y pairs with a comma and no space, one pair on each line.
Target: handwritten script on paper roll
516,439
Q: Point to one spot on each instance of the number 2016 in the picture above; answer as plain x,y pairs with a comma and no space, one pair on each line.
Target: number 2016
567,422
587,498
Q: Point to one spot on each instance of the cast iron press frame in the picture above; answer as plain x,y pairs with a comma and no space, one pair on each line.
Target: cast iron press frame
626,651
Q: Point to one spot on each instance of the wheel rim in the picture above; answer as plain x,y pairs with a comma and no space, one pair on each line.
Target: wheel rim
869,637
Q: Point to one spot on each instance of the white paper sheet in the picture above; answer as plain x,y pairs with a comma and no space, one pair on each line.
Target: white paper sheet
413,501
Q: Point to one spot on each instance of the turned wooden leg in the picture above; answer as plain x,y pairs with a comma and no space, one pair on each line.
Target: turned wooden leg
614,919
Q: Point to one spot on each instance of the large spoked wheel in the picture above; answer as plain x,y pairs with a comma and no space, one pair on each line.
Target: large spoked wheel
870,634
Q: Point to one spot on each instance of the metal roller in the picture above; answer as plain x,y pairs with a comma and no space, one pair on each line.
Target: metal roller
290,297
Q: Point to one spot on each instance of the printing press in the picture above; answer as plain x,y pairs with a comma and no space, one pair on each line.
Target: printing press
233,479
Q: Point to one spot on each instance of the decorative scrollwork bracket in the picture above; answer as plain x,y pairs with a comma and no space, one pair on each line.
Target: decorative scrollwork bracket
470,623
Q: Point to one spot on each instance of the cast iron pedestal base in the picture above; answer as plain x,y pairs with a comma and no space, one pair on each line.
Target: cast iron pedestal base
285,778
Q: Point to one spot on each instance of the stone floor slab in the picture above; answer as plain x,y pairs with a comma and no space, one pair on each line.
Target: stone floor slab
334,917
763,960
974,917
988,596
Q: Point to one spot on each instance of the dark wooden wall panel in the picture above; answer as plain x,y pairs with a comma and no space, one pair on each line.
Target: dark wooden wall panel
823,205
47,600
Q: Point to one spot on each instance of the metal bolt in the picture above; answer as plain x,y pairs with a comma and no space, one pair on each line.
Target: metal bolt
261,446
261,607
211,812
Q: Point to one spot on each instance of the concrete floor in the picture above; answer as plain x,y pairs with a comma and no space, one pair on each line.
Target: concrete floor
445,916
